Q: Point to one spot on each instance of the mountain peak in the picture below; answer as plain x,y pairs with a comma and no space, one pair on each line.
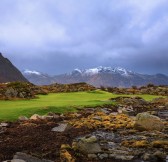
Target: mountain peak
8,72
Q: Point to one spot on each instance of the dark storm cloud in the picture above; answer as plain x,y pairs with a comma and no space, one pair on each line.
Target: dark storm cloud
57,36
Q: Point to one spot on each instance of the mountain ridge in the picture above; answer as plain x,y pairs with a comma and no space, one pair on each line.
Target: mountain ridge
100,76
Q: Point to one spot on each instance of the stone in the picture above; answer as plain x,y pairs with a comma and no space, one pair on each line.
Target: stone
128,110
145,121
167,158
105,110
111,144
88,145
35,117
92,156
146,156
97,118
100,135
60,128
103,156
23,118
4,124
47,117
15,160
121,157
160,155
163,114
27,158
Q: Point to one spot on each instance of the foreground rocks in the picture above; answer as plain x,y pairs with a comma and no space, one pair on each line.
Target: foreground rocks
134,130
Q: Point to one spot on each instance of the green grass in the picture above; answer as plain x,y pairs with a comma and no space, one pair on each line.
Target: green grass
56,102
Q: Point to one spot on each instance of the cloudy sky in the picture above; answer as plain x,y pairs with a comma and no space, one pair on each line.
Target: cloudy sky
56,36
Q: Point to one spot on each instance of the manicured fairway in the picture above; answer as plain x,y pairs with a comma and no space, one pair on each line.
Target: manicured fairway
55,102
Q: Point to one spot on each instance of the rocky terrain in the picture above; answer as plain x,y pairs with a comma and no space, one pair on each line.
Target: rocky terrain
133,130
8,72
100,76
23,90
149,89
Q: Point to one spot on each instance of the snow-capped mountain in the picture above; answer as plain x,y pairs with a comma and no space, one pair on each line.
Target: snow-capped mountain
99,76
37,77
101,69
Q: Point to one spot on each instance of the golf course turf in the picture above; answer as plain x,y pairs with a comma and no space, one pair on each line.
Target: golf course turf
56,102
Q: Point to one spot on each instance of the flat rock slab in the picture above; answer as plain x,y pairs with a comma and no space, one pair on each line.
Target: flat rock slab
60,128
3,124
15,160
27,158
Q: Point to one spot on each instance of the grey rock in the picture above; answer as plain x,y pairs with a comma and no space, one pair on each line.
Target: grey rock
10,92
15,160
88,145
60,128
128,110
146,156
103,156
27,158
163,114
4,124
100,135
23,118
92,156
97,118
121,157
105,110
35,117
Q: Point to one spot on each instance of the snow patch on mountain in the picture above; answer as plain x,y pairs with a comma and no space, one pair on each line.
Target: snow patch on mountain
101,69
29,72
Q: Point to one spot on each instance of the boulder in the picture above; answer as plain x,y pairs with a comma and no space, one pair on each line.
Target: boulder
145,121
88,145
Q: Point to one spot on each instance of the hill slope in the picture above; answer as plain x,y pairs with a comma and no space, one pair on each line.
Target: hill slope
8,72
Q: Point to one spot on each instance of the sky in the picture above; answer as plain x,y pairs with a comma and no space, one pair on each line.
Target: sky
57,36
